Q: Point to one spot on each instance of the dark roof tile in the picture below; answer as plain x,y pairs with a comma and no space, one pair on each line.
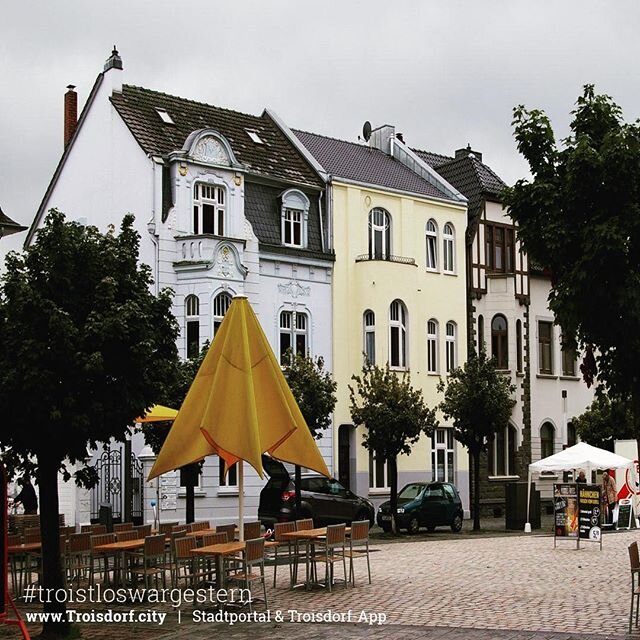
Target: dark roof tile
361,163
276,158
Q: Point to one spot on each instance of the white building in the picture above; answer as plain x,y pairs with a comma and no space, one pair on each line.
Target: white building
224,205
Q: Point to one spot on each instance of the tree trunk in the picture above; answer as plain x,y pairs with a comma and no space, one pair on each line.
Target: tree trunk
476,490
392,469
50,533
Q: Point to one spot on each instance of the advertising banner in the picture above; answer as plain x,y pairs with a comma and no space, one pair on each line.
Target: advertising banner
565,507
625,513
589,511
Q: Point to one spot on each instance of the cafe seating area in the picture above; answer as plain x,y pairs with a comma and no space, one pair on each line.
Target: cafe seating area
190,555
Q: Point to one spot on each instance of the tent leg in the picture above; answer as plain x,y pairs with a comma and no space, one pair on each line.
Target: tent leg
527,526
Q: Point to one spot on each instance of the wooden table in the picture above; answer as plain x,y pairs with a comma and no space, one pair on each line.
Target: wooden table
307,537
222,551
201,533
26,549
119,549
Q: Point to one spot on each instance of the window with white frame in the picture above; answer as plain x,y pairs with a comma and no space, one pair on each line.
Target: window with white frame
379,234
502,452
448,248
442,450
369,327
221,304
192,325
398,335
293,334
378,473
545,347
208,209
295,214
432,245
450,346
432,346
231,478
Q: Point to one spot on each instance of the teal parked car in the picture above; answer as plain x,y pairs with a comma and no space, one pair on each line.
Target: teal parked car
424,504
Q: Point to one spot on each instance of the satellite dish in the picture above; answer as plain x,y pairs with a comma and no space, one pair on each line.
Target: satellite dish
366,130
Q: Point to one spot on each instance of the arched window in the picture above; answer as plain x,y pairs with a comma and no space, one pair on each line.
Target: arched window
293,334
448,248
295,215
432,245
379,234
499,341
502,452
519,346
208,209
480,337
220,305
432,346
369,342
192,325
450,346
398,335
547,436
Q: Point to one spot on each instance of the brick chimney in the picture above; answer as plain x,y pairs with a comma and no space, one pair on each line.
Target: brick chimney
70,113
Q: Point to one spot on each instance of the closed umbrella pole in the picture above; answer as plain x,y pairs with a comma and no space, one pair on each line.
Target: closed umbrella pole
241,499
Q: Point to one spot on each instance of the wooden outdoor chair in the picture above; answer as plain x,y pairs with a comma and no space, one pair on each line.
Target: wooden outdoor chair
101,561
304,525
144,530
123,526
279,529
634,563
153,561
250,568
358,547
332,551
229,529
200,526
183,560
127,534
252,530
78,556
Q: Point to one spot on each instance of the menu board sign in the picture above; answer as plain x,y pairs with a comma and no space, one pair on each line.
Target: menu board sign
589,511
625,512
565,507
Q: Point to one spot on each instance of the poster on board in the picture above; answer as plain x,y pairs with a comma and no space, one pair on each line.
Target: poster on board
565,508
625,513
589,511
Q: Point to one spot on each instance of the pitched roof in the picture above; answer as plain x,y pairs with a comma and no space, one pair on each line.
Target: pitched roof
470,176
276,158
361,163
8,226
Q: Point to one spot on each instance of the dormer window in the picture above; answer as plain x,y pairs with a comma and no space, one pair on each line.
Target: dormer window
164,115
295,215
208,209
254,135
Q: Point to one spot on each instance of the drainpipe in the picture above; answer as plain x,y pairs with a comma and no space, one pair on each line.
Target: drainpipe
322,243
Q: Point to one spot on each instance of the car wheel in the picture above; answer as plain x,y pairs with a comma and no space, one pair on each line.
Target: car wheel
456,524
414,526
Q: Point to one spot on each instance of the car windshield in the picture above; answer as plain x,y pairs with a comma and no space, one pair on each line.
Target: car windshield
411,491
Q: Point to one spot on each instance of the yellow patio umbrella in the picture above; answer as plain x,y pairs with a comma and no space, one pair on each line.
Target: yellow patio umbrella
158,413
239,406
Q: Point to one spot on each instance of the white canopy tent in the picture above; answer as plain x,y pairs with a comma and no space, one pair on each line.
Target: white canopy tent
580,456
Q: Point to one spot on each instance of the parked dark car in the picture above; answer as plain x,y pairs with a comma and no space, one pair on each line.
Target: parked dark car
424,504
323,499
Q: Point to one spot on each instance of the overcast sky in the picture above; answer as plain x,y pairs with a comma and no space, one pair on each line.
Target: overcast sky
445,73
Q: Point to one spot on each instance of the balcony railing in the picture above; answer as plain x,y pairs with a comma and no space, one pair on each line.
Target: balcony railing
367,257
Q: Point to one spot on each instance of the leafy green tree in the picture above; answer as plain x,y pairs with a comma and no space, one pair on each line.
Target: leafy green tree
85,348
394,416
606,419
579,216
478,400
315,392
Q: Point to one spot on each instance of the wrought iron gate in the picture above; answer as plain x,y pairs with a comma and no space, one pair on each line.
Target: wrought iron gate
110,489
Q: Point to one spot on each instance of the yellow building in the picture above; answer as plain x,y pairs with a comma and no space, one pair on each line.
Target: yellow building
399,293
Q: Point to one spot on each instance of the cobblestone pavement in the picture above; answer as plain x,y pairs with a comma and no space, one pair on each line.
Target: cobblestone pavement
507,588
